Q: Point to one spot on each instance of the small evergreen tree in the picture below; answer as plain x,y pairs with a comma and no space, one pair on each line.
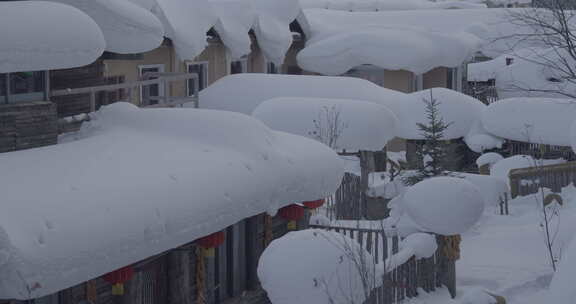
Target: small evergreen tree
434,151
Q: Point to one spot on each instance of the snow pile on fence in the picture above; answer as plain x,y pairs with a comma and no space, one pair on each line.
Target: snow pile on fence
503,167
539,74
479,140
136,182
315,266
492,188
533,120
488,159
444,205
127,27
237,92
339,123
63,38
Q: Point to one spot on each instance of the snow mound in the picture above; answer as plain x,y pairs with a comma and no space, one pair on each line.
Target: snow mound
456,108
530,120
325,271
74,40
422,245
413,50
444,205
155,180
478,296
235,20
339,123
492,188
503,167
236,92
127,27
479,140
488,159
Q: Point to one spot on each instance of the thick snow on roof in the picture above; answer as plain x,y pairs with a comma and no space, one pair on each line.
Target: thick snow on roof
534,120
127,27
490,25
536,74
444,205
325,271
186,23
155,179
460,110
244,92
381,5
235,20
339,123
414,50
63,38
272,27
487,70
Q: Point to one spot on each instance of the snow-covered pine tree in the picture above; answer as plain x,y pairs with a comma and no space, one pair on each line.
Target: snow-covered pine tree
434,151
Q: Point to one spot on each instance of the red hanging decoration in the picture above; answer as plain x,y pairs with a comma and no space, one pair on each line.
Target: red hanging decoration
117,278
212,241
120,276
292,213
314,204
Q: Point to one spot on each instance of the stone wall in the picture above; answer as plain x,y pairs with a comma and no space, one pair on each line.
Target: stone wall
27,125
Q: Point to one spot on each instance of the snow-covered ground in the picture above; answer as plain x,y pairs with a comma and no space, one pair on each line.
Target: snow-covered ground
506,255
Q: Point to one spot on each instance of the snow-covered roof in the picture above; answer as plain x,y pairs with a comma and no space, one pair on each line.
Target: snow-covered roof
537,73
410,49
341,124
137,182
235,20
405,30
244,92
63,38
462,111
382,5
534,120
487,70
127,27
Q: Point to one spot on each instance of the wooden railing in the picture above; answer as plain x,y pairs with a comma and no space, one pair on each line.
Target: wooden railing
402,282
528,181
539,151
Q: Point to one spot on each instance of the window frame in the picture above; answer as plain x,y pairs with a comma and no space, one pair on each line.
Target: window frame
161,69
202,80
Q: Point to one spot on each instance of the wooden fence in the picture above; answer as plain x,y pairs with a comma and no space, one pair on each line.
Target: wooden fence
528,181
402,282
349,201
539,151
482,91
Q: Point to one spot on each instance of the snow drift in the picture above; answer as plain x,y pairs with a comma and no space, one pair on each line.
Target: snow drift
339,123
63,38
137,182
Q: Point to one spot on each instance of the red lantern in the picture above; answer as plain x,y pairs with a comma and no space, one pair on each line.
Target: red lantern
314,204
118,277
212,241
292,213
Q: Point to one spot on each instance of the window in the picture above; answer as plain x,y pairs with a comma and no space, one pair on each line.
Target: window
147,93
23,87
239,66
201,69
271,68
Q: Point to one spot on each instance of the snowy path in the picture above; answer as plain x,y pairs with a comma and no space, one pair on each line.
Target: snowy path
506,255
